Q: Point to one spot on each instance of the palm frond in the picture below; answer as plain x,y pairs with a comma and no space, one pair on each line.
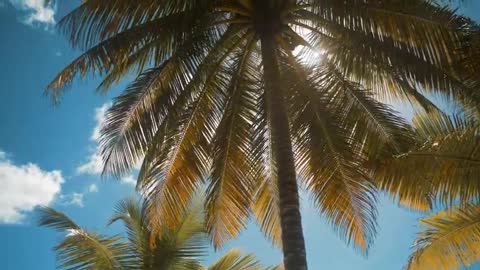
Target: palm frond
329,153
443,166
398,71
82,250
132,214
266,200
234,260
184,141
133,120
51,218
229,192
415,18
448,240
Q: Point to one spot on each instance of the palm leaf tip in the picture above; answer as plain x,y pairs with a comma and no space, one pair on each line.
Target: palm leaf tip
51,218
448,240
235,260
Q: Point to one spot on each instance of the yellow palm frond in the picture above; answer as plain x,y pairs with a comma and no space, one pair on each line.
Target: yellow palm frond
234,260
444,166
229,193
448,240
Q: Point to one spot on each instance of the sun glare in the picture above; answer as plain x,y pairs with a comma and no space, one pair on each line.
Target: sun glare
308,55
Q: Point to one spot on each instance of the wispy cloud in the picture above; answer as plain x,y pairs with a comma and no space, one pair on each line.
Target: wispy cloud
35,12
94,164
77,198
129,180
25,187
74,198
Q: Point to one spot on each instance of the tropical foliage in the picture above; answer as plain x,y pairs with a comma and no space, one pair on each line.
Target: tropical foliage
178,249
247,96
442,170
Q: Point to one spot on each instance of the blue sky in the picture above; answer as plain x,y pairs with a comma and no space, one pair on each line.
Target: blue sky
47,157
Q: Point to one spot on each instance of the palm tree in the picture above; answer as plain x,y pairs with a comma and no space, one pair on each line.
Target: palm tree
442,170
249,96
177,249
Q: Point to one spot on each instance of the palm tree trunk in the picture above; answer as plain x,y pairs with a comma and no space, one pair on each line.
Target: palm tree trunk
294,256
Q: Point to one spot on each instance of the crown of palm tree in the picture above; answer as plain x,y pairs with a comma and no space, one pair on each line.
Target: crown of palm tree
178,249
221,99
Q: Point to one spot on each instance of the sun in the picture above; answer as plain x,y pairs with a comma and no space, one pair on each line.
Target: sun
307,54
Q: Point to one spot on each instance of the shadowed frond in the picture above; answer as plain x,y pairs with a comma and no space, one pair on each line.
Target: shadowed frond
135,116
266,200
51,218
179,168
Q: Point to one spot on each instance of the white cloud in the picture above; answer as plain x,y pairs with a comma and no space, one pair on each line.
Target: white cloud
25,187
72,199
100,118
129,180
37,12
93,188
94,164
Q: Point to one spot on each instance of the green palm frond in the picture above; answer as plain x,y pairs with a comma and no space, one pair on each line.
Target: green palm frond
131,46
415,18
56,220
145,249
130,212
167,248
330,164
82,250
448,240
265,205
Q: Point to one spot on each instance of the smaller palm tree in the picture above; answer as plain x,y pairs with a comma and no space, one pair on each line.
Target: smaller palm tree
169,249
443,170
